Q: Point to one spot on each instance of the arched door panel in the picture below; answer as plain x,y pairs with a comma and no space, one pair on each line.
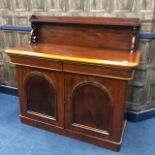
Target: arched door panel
40,94
89,107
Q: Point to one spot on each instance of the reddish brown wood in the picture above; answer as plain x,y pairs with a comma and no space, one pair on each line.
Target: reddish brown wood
98,70
110,33
36,62
33,104
61,91
103,142
40,94
87,20
79,52
95,37
95,107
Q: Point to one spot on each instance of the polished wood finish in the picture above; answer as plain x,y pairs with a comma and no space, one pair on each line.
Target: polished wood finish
41,94
97,37
73,76
43,98
79,54
86,20
107,33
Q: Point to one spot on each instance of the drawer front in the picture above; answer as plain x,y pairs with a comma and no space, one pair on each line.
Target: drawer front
37,62
98,70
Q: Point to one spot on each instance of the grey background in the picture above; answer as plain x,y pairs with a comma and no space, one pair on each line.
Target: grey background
141,92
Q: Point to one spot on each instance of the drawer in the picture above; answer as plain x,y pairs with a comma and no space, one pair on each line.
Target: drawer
36,62
98,70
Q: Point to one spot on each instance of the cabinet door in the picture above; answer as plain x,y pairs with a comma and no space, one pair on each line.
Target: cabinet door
92,105
41,94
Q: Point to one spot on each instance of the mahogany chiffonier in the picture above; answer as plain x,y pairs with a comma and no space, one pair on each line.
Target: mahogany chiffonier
73,75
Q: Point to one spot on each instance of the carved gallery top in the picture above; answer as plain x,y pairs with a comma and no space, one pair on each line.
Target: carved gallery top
104,41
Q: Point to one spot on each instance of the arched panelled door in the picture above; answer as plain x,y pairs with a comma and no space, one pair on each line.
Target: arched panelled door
91,106
40,94
42,97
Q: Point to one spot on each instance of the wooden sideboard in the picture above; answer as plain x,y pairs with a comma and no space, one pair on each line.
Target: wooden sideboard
73,75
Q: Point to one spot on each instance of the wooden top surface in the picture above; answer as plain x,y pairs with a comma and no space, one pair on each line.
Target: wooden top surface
79,54
87,20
